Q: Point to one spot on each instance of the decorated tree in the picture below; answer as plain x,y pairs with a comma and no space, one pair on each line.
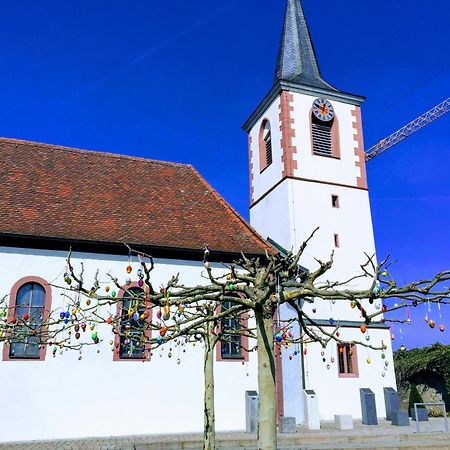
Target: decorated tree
178,313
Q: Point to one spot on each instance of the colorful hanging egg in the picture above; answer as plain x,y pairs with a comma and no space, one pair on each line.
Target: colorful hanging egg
431,323
129,268
128,281
107,288
363,328
368,360
163,331
278,337
331,321
441,327
26,317
159,314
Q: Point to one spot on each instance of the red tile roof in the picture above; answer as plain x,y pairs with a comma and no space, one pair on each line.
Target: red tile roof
58,192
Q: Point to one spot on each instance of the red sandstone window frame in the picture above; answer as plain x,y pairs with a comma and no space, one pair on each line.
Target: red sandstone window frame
147,332
12,310
263,163
244,341
335,137
347,347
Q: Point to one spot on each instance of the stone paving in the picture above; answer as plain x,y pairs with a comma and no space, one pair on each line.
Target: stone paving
381,436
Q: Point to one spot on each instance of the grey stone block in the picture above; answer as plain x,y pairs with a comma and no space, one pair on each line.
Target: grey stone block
400,418
288,425
391,401
368,407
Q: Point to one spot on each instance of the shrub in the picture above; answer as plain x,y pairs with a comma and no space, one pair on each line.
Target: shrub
414,397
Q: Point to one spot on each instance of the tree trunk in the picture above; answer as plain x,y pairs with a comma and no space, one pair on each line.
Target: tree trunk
209,433
267,428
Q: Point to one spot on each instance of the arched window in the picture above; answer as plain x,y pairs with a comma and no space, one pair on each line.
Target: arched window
265,145
133,331
30,303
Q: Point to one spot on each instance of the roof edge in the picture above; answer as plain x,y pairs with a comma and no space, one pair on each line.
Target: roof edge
75,150
257,238
12,240
282,85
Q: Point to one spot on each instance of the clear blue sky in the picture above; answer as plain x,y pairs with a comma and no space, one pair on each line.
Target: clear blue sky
176,80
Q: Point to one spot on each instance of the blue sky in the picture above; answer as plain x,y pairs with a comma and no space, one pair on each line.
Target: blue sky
176,80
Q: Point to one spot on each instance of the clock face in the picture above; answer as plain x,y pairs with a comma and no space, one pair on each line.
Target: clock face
323,109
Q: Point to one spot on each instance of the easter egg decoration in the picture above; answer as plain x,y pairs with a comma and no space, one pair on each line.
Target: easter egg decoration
322,353
376,290
109,320
332,359
67,278
431,323
77,327
402,348
384,308
136,316
278,337
367,337
88,302
129,269
368,360
163,331
353,304
13,320
158,314
384,273
140,273
107,288
305,351
92,327
331,321
284,336
383,374
441,327
83,326
26,316
77,335
383,356
113,294
392,337
324,359
328,367
166,315
363,328
128,281
314,310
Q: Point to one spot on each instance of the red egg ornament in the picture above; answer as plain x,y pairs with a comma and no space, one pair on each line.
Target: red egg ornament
363,328
129,269
441,327
26,317
431,323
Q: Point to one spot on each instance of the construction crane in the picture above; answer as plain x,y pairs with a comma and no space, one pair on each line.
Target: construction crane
407,130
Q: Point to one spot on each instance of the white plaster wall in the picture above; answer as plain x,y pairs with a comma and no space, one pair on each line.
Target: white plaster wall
262,182
322,168
352,221
271,216
65,397
341,395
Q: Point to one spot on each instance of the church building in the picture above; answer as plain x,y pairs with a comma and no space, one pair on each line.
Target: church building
307,170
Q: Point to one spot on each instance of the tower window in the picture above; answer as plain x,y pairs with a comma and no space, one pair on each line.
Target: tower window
335,201
265,145
336,241
322,137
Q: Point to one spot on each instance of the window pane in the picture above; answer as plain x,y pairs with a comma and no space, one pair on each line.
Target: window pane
30,300
231,344
349,352
132,331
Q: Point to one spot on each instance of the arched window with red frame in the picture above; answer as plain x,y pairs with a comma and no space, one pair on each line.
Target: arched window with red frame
29,310
133,331
265,145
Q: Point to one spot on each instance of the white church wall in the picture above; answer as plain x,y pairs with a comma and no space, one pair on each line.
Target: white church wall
351,221
341,395
271,216
95,396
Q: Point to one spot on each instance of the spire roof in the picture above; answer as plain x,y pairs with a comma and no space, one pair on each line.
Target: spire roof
297,62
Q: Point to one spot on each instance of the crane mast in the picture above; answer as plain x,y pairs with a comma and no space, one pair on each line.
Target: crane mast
407,130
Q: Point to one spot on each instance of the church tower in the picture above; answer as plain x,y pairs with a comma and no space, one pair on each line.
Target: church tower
307,170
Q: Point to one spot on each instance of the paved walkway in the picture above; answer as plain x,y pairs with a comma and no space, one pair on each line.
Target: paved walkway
362,437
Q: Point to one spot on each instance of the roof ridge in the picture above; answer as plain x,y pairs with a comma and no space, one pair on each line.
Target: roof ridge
91,152
242,223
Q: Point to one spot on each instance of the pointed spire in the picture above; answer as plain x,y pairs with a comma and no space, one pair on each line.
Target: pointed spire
297,60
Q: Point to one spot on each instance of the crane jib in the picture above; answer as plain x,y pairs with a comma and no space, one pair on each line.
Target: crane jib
407,130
